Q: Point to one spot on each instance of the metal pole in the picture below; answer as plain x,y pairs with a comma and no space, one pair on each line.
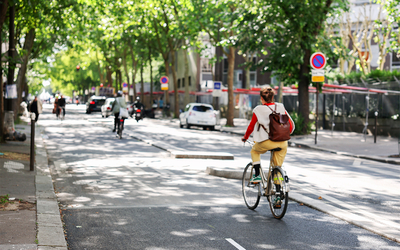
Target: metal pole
32,158
316,115
365,130
333,111
376,125
343,99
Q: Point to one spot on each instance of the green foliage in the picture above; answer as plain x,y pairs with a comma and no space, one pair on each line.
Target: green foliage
4,199
374,75
299,123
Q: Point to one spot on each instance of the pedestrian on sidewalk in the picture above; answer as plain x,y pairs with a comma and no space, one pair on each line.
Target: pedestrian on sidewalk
262,143
36,107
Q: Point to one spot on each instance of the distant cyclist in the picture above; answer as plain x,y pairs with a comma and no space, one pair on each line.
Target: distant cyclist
61,106
117,104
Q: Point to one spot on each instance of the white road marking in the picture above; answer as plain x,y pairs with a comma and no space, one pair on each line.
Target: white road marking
356,163
235,244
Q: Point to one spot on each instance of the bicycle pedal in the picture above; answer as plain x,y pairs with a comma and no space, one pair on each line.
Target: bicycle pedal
277,206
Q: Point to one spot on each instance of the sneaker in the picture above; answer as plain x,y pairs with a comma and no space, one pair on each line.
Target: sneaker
255,179
277,202
114,130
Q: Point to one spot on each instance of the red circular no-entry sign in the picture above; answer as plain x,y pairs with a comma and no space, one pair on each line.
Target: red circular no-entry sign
164,80
318,60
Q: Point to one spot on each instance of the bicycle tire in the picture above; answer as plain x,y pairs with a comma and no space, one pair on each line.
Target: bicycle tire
251,192
278,210
120,128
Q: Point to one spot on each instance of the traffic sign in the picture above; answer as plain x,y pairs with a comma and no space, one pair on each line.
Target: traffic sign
164,80
318,60
217,89
124,85
318,75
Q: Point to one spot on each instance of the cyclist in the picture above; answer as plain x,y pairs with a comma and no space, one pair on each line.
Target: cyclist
61,105
262,143
117,104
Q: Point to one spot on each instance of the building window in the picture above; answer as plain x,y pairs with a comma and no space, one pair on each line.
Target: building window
190,81
395,59
179,83
205,65
183,82
225,64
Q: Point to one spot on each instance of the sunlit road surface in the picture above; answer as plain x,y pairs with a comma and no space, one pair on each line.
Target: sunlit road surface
126,194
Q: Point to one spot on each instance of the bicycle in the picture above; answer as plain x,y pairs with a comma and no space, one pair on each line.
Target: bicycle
275,187
120,127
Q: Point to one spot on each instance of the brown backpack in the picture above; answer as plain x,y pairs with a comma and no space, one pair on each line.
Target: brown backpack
279,126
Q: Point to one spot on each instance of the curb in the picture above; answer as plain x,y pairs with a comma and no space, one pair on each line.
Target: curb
372,158
50,230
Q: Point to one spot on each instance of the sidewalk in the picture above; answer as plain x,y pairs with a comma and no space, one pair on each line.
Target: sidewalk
31,218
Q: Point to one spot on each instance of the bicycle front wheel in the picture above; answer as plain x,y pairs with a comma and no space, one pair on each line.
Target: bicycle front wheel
278,196
251,191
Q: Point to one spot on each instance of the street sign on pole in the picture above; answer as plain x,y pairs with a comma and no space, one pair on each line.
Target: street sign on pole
318,60
318,75
217,89
164,83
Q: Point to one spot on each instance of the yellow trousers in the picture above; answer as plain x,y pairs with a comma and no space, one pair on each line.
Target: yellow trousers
262,147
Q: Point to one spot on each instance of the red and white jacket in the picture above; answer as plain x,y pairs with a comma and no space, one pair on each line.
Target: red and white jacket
261,116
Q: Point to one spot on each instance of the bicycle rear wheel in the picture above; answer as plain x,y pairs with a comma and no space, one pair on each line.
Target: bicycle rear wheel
120,128
251,191
278,197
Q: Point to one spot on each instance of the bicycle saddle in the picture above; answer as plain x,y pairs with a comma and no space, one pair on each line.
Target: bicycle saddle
275,149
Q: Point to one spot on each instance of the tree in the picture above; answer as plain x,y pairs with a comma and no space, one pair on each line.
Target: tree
293,29
221,21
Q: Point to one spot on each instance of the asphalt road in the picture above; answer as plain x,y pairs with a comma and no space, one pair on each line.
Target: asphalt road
125,194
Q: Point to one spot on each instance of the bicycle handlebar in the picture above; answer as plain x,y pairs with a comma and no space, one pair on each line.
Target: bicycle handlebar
249,142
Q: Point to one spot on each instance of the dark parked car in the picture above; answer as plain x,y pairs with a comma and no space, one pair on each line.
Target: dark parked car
94,104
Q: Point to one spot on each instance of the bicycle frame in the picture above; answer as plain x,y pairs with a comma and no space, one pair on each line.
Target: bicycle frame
264,179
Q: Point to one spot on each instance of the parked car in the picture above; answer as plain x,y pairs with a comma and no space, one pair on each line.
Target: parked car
94,104
198,114
130,108
106,110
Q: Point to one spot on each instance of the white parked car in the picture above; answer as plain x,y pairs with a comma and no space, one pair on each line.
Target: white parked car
200,115
106,107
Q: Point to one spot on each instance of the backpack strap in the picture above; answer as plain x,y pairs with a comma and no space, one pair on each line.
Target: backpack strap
273,111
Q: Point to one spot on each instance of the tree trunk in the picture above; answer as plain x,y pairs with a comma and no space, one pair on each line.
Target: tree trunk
151,78
176,94
166,73
3,12
304,82
1,94
231,104
141,83
134,70
99,68
109,76
116,81
28,45
187,97
120,79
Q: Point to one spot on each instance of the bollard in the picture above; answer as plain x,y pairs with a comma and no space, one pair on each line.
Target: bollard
376,126
32,158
